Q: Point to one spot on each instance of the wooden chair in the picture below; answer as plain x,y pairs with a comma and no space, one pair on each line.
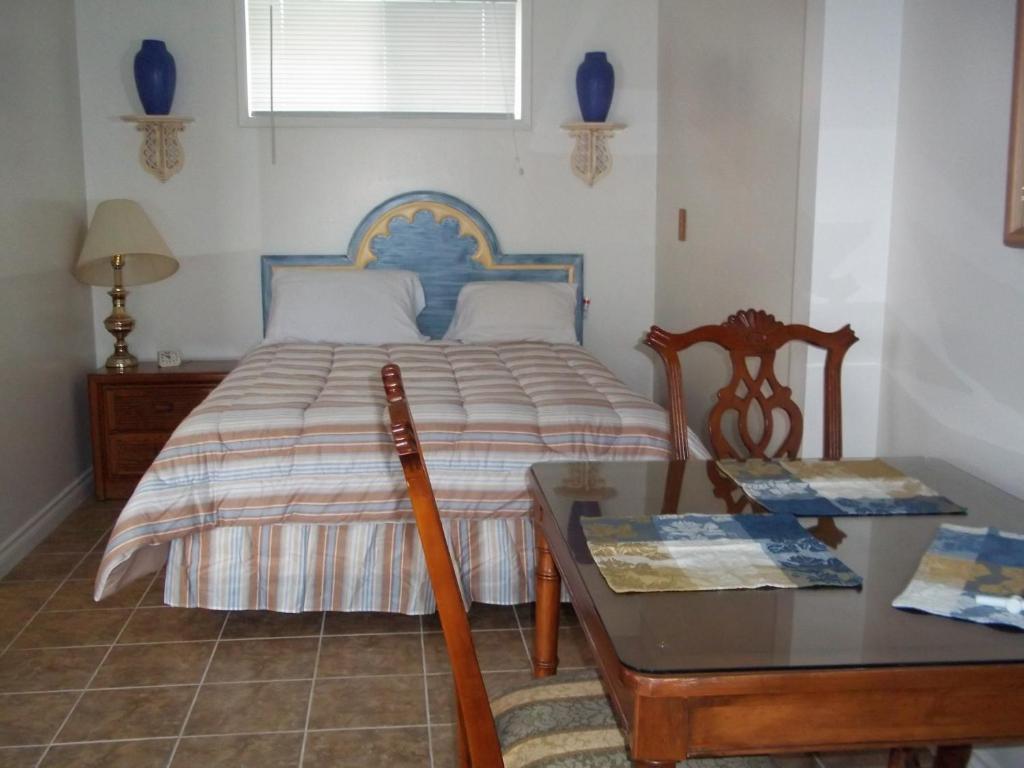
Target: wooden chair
565,719
571,710
754,334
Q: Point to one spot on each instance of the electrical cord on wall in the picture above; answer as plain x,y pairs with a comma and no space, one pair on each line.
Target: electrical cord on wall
508,100
273,122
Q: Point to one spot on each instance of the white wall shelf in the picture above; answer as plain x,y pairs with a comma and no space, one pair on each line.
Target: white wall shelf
591,159
161,153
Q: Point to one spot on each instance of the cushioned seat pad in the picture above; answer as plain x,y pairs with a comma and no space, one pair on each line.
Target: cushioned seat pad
566,721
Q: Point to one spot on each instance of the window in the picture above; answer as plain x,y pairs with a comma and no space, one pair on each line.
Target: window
384,57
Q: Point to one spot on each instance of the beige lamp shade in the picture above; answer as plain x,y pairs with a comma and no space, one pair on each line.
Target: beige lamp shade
121,227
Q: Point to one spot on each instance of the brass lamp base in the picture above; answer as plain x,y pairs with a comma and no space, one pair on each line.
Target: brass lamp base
120,324
122,361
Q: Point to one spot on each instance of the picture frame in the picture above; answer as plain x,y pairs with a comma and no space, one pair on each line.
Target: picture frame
1013,229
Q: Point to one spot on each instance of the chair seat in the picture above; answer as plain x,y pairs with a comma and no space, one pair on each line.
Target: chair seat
566,721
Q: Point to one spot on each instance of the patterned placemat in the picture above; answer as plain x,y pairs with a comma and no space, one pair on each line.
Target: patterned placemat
976,574
708,552
836,488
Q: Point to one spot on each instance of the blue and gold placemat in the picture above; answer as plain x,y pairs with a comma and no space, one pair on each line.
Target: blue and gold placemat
976,574
688,553
835,488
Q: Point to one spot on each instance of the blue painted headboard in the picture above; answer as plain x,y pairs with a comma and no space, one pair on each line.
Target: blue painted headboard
447,242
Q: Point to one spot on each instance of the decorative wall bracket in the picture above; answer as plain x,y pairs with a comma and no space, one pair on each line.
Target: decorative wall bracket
591,160
160,154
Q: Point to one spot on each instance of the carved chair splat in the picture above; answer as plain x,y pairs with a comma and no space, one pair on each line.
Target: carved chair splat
753,334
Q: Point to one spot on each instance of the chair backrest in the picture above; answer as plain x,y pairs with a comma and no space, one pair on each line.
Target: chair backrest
474,710
746,335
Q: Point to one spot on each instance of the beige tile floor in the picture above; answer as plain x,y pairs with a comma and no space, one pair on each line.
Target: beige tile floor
129,682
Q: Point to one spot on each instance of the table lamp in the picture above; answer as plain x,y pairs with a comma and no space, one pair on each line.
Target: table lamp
123,247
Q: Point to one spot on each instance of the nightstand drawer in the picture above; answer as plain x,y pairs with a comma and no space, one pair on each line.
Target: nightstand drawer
145,408
132,454
133,413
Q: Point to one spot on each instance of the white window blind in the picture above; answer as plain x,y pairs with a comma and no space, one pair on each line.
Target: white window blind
384,56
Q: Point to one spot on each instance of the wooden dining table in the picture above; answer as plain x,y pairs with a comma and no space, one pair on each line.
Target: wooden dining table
767,671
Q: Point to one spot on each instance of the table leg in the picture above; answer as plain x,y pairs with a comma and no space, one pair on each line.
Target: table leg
658,731
549,593
952,757
902,757
945,757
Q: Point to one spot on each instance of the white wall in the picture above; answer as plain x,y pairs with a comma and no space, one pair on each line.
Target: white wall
955,310
728,133
851,87
230,204
953,359
45,320
894,225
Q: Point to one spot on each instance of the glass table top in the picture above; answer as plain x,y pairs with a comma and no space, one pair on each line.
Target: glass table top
766,629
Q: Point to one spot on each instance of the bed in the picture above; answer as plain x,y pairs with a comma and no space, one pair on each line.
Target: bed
282,490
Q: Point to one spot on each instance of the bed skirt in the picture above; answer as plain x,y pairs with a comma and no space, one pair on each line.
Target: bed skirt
356,567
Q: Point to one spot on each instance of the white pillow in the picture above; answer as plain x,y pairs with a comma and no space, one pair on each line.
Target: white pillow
345,306
513,311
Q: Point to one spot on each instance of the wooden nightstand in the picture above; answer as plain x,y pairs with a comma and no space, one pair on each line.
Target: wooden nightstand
134,413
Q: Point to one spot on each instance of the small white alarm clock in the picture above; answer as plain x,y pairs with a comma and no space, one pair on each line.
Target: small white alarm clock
168,358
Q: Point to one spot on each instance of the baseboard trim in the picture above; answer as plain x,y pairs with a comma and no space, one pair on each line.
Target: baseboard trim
1000,757
981,757
43,522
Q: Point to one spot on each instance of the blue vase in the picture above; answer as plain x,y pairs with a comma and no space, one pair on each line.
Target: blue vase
155,77
595,83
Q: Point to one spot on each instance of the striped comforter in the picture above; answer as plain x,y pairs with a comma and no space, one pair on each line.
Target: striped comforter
297,434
